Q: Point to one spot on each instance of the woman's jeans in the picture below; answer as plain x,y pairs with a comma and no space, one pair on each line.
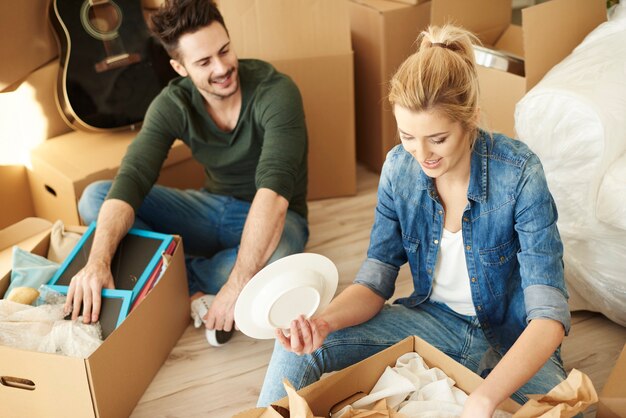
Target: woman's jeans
458,336
210,225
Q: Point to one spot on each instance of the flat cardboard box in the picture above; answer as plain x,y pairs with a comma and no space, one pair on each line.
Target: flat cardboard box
110,382
15,195
612,402
64,166
343,387
383,36
549,32
309,40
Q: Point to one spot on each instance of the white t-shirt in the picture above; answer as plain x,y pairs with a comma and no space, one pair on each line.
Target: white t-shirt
451,284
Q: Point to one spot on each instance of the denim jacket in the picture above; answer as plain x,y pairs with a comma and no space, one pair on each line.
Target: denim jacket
513,250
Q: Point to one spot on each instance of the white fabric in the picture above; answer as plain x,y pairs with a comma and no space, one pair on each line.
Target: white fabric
575,120
451,285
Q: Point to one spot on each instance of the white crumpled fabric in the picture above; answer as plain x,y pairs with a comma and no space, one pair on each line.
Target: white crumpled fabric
417,391
575,120
42,328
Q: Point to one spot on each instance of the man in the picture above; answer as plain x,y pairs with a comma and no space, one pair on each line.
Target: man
245,123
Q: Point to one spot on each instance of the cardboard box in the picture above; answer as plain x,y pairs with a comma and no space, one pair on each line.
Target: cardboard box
28,40
15,193
110,382
309,40
383,36
612,402
346,386
64,166
549,32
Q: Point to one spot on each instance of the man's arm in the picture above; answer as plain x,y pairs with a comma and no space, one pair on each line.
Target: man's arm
523,360
261,235
115,219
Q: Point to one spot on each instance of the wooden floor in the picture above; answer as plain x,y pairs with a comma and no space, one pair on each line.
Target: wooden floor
200,381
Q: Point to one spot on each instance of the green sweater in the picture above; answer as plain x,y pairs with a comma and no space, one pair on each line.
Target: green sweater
267,148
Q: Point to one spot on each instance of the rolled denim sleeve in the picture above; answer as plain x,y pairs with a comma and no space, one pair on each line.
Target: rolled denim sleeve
386,253
547,302
378,277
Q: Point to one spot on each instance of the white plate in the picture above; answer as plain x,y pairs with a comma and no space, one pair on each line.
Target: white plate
294,285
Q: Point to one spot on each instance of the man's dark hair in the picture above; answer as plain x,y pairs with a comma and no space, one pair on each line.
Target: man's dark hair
177,17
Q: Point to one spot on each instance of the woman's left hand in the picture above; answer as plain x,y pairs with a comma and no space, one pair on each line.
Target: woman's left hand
305,335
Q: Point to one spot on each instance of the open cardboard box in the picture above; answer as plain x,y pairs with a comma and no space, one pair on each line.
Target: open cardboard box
110,382
64,166
309,40
548,33
612,402
346,386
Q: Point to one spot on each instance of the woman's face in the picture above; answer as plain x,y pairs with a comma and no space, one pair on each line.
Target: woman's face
441,146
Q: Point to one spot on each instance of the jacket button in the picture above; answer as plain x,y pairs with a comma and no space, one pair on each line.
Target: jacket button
436,241
469,247
429,271
465,219
479,308
473,279
502,259
440,212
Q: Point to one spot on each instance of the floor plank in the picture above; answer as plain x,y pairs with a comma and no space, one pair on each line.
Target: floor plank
201,381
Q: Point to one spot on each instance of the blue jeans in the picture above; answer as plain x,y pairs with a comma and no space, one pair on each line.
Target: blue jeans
459,336
210,225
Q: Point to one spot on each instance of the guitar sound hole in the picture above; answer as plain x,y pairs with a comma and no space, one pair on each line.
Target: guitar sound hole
101,20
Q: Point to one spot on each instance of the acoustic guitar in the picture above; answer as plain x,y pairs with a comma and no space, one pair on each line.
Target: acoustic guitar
111,67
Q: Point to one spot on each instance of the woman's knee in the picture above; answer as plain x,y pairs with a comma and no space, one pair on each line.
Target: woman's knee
92,199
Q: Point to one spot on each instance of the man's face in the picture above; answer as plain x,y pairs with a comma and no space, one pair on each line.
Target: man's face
207,58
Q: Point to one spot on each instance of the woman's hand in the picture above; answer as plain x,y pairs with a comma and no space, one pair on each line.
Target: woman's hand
305,335
477,407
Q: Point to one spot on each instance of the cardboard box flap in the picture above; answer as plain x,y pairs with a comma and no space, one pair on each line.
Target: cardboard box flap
512,41
15,195
22,231
612,402
286,29
486,18
27,234
382,6
28,39
549,36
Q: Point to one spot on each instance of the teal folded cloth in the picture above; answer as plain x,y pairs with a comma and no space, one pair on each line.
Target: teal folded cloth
30,270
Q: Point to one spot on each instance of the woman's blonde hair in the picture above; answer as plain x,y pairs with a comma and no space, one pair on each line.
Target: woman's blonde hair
441,76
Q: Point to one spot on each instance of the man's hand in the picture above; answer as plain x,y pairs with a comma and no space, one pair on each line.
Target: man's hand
305,335
85,289
221,314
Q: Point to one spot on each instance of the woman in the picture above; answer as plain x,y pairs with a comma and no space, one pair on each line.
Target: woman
472,214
